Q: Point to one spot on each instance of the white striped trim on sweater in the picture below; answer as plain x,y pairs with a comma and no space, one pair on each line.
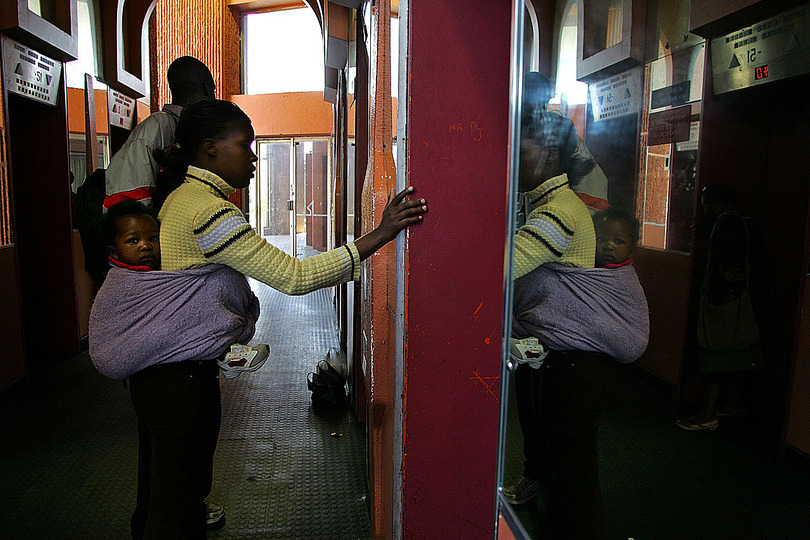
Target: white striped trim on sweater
550,231
221,231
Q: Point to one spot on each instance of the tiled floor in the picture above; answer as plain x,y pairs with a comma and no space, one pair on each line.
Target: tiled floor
662,483
68,445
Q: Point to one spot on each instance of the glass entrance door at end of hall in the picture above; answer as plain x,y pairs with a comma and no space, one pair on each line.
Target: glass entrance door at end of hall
289,201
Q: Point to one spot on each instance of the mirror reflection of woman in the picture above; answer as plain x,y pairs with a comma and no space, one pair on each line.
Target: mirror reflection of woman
559,403
580,320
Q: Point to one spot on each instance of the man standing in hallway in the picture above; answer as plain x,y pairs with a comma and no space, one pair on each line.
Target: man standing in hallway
133,170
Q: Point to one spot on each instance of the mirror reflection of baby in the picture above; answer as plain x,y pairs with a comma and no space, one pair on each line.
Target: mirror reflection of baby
132,236
616,238
572,325
559,307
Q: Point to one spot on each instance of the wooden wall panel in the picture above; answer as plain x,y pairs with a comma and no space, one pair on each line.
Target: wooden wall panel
205,29
41,191
12,364
798,425
666,278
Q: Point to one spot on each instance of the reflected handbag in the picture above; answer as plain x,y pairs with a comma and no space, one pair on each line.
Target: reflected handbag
727,333
746,359
727,327
728,336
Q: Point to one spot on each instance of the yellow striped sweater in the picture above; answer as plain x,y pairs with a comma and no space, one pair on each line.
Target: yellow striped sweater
558,229
199,226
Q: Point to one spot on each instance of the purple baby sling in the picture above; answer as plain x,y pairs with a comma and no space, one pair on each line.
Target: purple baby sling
576,309
141,319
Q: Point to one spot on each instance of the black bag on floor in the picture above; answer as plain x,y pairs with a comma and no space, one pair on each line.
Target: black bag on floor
328,382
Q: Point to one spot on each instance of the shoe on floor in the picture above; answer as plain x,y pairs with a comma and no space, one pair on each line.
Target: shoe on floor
243,358
522,491
214,515
711,425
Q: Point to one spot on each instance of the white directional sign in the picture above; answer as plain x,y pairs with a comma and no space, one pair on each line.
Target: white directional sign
770,50
120,108
616,96
29,73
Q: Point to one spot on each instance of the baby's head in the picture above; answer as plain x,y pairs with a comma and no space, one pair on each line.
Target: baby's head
616,236
131,234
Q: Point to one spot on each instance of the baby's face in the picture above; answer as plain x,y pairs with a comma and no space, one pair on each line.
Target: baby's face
614,243
137,242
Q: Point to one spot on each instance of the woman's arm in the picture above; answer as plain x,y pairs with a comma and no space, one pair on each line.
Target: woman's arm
397,215
226,238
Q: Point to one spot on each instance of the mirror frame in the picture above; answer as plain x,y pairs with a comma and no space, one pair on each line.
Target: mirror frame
626,54
515,94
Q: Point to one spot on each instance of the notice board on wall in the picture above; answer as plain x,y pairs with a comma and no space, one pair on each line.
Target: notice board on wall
616,96
29,73
120,109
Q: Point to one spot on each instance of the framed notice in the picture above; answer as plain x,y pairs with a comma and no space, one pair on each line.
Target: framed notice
120,109
30,74
672,125
616,96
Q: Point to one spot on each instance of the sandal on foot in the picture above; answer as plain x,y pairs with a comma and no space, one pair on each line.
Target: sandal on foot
711,425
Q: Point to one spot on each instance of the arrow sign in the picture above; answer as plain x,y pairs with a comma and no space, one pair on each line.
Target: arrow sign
794,43
33,75
734,62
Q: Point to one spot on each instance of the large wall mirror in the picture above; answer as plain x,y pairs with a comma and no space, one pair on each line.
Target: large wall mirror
619,445
554,400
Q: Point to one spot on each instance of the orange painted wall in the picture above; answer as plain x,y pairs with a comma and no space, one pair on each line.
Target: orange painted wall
295,114
143,110
287,114
75,102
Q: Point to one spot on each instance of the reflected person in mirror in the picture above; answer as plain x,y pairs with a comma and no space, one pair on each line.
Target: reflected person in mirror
559,423
584,321
585,176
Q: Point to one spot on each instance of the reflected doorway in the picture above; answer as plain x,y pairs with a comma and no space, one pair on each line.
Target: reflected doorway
289,201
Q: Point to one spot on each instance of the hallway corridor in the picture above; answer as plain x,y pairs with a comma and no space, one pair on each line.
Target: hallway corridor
68,453
68,444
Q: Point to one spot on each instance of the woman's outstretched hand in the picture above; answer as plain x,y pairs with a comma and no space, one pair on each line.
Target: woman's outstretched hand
398,214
